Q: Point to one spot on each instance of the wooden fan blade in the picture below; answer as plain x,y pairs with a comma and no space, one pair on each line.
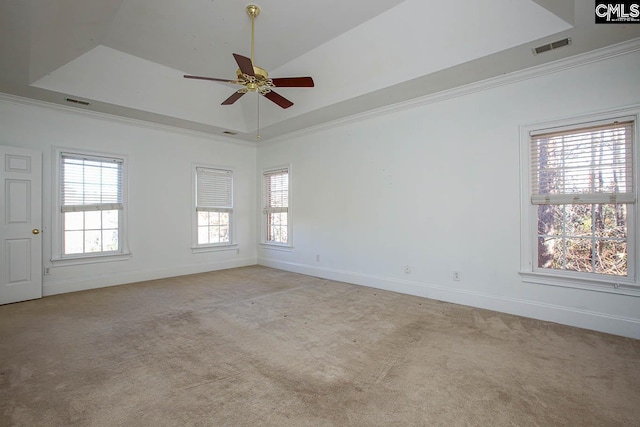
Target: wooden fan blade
233,98
293,82
278,99
212,79
244,64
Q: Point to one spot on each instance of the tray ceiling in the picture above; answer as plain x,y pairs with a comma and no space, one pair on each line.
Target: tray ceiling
127,57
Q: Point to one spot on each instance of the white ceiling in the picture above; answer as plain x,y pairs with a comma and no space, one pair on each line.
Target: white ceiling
127,57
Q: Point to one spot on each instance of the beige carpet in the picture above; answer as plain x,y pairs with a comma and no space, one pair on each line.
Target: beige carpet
261,347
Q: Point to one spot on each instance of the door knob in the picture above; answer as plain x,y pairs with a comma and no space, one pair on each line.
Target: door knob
35,231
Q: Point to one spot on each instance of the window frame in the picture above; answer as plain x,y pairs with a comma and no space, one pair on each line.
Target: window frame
57,254
288,245
211,247
529,271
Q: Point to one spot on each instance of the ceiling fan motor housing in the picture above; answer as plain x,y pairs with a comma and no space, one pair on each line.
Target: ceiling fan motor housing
260,82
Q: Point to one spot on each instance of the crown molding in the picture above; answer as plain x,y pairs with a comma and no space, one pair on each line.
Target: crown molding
15,99
598,55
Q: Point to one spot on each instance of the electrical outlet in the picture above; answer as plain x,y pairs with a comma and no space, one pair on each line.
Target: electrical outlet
456,276
47,271
407,269
318,258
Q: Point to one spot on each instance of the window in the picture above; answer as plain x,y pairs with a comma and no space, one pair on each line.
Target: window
214,206
581,202
276,207
91,205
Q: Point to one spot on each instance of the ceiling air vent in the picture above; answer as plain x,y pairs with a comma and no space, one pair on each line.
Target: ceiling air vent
552,46
77,101
228,132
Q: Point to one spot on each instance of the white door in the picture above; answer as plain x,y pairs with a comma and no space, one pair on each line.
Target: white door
20,224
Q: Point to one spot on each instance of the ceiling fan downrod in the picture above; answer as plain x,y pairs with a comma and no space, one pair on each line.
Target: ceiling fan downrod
253,10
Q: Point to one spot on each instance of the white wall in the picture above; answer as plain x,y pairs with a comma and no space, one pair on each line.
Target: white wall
436,187
160,167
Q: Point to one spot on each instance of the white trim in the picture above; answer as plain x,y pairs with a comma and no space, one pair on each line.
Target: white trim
195,247
276,247
222,247
598,55
109,279
613,285
263,222
612,324
528,236
91,259
627,112
56,214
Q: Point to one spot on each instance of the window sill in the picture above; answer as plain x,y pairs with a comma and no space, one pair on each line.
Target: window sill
91,259
623,286
276,247
215,248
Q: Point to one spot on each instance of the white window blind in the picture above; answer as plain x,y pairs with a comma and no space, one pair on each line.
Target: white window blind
90,183
214,190
588,165
276,191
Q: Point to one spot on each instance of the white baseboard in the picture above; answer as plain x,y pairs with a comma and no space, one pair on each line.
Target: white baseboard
617,325
100,281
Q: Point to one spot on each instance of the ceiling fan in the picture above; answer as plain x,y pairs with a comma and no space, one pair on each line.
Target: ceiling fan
256,79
